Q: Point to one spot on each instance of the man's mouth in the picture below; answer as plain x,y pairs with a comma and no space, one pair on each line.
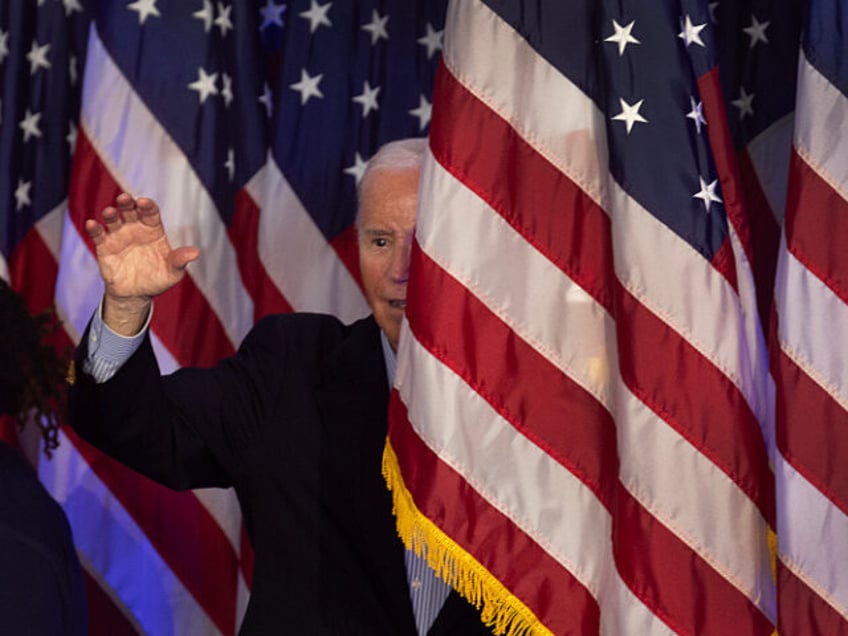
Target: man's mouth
398,304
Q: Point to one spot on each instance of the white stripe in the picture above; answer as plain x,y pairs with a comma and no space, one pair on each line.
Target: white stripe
813,536
654,264
575,334
821,126
143,159
4,268
109,592
79,286
113,544
769,152
812,320
50,228
297,257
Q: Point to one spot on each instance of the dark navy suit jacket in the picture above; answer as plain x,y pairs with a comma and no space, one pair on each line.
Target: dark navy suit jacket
296,423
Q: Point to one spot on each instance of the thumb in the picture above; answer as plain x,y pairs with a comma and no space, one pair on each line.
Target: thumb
182,256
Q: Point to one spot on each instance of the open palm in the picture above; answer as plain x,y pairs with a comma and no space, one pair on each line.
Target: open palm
133,253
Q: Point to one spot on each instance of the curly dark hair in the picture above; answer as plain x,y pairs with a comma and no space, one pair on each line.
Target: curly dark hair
32,373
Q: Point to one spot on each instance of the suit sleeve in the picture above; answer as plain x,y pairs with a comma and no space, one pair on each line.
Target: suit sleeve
185,430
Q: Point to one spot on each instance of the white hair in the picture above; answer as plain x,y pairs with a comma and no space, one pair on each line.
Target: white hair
402,154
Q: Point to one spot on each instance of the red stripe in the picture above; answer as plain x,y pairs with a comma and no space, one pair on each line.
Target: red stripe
181,530
480,149
691,395
244,235
105,618
516,380
92,188
671,579
802,612
680,385
346,246
559,600
33,271
724,155
817,226
812,431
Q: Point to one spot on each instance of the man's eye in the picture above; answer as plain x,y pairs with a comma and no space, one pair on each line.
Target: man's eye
380,242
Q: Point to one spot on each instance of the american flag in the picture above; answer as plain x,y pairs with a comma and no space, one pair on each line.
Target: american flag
249,123
808,344
582,427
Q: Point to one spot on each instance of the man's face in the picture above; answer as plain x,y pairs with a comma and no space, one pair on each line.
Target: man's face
386,226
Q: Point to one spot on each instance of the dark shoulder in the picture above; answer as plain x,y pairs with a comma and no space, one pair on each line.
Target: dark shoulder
307,333
27,509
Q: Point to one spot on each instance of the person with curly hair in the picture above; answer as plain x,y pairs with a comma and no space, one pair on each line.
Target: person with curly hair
41,585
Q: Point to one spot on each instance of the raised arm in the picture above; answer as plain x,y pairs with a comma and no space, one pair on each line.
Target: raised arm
136,260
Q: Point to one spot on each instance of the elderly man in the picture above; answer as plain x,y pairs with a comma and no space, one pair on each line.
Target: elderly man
295,422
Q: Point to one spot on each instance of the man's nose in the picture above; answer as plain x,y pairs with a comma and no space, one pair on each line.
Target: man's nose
400,262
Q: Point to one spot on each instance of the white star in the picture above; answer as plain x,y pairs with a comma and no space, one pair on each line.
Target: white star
707,193
368,99
712,7
377,27
227,88
72,136
423,112
206,14
622,36
697,114
29,124
744,103
317,15
204,84
230,164
757,31
22,194
37,57
630,114
223,21
433,40
71,6
357,169
307,86
272,13
145,8
691,33
265,98
4,45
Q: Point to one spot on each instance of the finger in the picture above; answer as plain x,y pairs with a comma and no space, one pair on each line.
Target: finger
95,231
148,212
111,219
126,207
182,256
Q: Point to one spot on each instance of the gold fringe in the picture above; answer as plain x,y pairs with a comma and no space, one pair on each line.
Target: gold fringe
772,546
499,608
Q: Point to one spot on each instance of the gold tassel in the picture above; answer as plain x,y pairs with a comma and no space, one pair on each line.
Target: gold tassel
499,608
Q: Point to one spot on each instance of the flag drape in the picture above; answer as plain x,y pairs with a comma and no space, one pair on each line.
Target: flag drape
582,431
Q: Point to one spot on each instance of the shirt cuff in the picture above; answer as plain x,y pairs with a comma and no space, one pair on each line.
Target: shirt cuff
107,350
